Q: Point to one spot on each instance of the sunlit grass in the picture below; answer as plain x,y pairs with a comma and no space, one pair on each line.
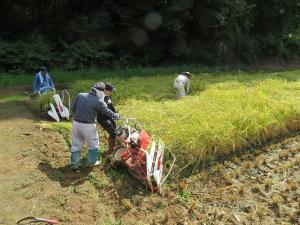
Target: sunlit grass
13,98
223,118
225,111
157,87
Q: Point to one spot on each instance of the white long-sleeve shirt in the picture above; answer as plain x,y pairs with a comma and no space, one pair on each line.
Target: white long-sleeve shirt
185,81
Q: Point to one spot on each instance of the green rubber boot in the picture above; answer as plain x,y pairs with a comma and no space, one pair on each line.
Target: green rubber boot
75,159
92,157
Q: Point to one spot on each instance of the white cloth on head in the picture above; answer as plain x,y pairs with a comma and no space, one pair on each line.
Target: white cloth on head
99,94
84,133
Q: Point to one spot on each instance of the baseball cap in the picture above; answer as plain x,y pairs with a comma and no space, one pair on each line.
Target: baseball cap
109,87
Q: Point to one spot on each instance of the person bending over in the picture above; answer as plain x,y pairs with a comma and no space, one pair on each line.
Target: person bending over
106,122
182,84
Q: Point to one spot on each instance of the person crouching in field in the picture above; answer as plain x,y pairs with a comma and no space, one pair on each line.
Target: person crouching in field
42,81
181,84
86,107
107,122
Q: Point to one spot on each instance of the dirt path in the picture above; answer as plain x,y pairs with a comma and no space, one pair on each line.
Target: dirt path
31,184
261,187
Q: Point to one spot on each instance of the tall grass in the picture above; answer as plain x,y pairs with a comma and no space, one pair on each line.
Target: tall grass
158,87
225,111
208,74
221,119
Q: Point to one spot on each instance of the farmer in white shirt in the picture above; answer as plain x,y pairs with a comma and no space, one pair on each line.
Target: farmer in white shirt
181,84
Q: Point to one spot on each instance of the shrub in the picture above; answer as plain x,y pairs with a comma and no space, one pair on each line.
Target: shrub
83,54
24,55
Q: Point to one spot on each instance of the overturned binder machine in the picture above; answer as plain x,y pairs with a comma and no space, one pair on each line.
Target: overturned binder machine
142,156
57,110
60,111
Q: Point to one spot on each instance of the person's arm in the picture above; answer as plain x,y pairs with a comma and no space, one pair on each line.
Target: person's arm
73,106
35,84
102,107
187,86
111,106
51,82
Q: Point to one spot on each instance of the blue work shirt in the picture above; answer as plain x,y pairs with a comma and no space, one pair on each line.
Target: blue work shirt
86,107
42,83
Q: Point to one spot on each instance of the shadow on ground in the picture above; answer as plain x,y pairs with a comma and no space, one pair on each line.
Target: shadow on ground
126,185
14,109
65,175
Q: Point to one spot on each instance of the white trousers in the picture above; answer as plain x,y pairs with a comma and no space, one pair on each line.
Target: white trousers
179,90
84,133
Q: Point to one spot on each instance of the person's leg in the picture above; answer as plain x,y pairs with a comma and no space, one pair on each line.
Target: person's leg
111,143
77,142
92,138
110,127
179,90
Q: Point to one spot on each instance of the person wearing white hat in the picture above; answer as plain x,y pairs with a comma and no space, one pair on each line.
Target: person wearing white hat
182,84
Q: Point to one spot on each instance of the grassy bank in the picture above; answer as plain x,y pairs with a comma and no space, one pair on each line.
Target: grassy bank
226,111
68,77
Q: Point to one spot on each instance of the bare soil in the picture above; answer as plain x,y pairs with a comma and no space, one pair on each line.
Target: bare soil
260,187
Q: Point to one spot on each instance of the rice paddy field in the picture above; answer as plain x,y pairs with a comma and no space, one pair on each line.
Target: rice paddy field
248,122
225,111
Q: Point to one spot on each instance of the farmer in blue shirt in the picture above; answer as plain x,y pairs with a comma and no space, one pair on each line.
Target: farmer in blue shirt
42,81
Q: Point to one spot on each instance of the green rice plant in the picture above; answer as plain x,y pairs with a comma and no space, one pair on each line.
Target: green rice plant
223,118
42,103
225,111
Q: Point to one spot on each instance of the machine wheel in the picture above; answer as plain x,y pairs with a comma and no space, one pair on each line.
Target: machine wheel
116,156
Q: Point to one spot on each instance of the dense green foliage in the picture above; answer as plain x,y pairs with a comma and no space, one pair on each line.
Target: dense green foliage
74,34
